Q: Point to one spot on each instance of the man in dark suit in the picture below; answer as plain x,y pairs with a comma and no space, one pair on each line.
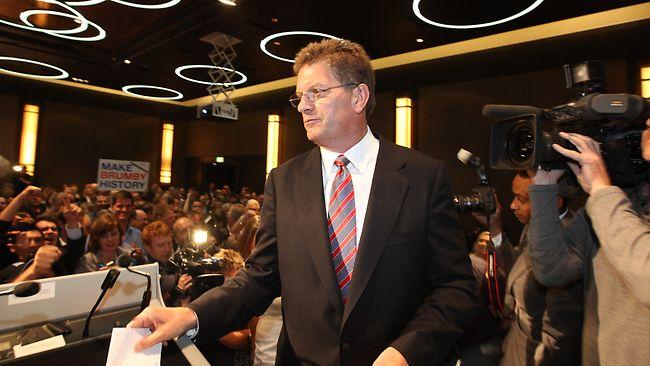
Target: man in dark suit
358,236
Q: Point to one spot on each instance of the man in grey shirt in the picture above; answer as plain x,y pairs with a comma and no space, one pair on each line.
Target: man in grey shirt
607,246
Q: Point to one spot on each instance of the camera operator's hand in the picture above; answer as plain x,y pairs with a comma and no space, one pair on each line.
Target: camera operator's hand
545,177
495,219
590,170
166,323
184,282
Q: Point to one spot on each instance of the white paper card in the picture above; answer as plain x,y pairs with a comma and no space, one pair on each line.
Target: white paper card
40,346
47,292
123,341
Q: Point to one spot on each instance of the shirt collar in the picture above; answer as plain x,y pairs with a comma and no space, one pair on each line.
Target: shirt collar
360,155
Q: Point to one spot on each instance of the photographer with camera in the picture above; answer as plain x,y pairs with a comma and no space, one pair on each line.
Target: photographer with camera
607,246
158,247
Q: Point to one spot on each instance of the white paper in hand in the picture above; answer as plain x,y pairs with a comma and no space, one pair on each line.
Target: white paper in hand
121,351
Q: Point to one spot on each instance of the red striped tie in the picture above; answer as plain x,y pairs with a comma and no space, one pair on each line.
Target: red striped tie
342,226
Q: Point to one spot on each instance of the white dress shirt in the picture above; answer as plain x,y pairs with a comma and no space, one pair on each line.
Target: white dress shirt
363,158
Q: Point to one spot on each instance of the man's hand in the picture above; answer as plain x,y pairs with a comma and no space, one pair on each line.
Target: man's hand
496,226
44,259
590,171
184,282
544,177
166,323
27,193
390,357
73,215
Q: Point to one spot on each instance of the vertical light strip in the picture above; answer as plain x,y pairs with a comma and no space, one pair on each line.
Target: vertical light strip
27,155
645,82
166,153
272,141
403,121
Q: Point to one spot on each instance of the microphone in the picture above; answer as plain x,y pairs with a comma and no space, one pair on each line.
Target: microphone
125,261
507,111
109,281
24,289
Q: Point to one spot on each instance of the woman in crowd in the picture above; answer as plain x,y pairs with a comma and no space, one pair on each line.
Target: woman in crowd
104,246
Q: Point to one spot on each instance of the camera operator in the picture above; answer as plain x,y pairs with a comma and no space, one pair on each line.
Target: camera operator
158,247
613,263
545,322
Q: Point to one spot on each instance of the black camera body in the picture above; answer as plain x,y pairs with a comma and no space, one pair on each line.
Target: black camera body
192,261
525,137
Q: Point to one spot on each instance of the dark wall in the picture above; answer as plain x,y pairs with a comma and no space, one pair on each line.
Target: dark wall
73,138
10,126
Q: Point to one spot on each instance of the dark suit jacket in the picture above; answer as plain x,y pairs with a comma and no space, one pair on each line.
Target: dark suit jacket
412,287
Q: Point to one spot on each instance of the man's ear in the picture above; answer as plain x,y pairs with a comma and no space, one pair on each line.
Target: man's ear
360,96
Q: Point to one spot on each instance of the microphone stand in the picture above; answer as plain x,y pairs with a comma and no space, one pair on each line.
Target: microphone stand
146,296
109,281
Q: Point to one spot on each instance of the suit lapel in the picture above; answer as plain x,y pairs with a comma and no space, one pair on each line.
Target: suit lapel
310,205
387,194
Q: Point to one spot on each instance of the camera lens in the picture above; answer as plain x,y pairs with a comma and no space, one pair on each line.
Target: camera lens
521,143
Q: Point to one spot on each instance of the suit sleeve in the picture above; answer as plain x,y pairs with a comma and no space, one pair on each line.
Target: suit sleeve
440,320
231,306
624,237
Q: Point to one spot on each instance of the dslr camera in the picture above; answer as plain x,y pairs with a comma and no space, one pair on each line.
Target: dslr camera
524,138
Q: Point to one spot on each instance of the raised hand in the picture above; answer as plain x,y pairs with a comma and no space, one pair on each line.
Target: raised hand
590,170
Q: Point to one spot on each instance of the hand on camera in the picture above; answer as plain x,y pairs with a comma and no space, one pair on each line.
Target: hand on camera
495,219
590,170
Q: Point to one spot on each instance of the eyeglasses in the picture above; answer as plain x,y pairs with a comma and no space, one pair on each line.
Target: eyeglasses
314,94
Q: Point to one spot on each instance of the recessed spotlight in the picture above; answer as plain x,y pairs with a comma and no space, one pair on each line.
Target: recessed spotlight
229,2
419,40
276,43
17,168
274,20
127,61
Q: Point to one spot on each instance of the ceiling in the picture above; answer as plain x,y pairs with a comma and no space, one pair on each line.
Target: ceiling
157,41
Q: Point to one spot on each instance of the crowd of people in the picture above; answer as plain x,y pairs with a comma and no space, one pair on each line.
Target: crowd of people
49,233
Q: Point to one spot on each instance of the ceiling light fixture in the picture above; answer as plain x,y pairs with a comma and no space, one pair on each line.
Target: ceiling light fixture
62,73
419,40
127,61
292,33
74,14
127,89
168,4
228,2
84,3
416,11
180,69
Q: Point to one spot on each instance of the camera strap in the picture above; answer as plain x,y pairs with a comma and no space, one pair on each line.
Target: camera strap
491,275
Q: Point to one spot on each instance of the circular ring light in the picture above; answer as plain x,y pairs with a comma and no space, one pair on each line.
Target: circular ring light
62,73
24,16
416,11
180,69
84,3
127,89
292,33
168,4
77,15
